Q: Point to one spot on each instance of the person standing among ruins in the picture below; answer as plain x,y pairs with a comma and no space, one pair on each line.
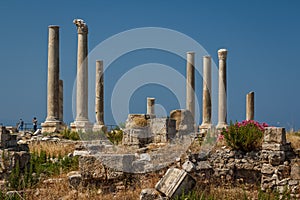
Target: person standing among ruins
21,125
34,122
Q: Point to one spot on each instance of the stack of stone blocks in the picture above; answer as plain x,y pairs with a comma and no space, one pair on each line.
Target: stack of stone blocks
280,168
162,129
157,130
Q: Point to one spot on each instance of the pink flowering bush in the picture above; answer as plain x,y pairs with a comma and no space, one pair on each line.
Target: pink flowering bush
245,136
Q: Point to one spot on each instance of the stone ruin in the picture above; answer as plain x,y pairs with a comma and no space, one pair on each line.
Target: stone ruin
275,166
12,154
141,130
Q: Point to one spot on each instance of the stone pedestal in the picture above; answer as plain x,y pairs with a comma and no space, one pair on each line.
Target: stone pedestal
83,126
190,82
206,101
222,107
99,128
250,106
53,122
82,122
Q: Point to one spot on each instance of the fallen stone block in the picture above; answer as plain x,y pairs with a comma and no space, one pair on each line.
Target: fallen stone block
175,182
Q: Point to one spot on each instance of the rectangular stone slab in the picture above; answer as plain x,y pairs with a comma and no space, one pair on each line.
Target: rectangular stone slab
275,135
175,182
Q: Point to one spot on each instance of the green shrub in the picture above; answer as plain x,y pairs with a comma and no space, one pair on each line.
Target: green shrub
115,136
70,135
245,136
40,164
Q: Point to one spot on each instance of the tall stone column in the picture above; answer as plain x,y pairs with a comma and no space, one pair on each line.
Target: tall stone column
82,121
52,121
99,104
82,72
206,93
250,106
53,73
222,114
61,101
151,107
190,82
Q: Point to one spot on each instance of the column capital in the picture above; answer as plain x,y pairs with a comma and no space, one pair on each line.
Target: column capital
222,54
81,26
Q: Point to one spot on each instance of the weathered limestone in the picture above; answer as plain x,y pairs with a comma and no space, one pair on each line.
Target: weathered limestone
222,114
175,182
53,121
82,122
206,101
184,121
279,170
162,129
99,103
275,135
6,139
61,101
141,130
250,106
151,107
136,132
150,194
190,82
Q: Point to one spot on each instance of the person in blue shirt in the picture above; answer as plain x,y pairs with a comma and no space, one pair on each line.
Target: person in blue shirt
34,122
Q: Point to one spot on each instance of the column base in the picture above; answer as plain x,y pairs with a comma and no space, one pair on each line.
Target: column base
99,128
221,125
204,127
53,126
83,126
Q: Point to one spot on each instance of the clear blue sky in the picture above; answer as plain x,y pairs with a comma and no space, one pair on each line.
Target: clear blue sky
262,38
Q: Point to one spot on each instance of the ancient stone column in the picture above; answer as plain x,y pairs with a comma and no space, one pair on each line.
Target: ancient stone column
190,82
99,104
53,121
81,122
82,72
53,74
250,106
206,93
61,101
151,106
222,114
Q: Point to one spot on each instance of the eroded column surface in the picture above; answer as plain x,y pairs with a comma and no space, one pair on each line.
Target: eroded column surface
222,107
151,106
250,106
99,104
53,122
53,74
190,82
61,101
82,72
206,93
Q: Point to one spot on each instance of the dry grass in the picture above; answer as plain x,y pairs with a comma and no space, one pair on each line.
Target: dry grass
61,190
52,148
294,138
140,121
